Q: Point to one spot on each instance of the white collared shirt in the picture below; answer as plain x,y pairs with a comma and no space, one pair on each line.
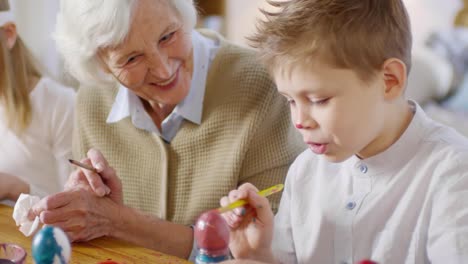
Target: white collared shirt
408,204
128,103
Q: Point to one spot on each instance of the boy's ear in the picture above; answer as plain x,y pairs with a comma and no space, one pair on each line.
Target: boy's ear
395,78
11,34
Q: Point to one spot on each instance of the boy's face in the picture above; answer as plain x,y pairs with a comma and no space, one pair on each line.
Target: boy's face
337,113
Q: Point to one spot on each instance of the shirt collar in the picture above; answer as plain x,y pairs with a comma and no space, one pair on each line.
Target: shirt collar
191,108
400,152
128,104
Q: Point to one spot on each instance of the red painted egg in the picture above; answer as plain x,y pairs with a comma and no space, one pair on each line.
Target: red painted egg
367,262
211,231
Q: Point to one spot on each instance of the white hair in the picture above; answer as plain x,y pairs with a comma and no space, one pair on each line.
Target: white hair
85,26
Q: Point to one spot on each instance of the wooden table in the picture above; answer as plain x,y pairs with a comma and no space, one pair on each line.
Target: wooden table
96,251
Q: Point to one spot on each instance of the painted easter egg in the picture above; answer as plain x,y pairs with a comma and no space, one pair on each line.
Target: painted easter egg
211,231
51,246
366,261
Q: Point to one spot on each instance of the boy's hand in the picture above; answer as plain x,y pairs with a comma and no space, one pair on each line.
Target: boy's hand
251,226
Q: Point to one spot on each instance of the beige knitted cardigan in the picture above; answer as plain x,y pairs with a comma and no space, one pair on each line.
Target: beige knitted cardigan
245,136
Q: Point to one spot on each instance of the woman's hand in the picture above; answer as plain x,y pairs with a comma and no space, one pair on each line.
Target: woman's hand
80,213
12,187
251,226
90,205
106,183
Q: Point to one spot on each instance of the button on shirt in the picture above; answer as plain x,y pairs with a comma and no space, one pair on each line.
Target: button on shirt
129,104
408,204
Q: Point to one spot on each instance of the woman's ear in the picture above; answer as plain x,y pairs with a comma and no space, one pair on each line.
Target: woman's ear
11,34
395,78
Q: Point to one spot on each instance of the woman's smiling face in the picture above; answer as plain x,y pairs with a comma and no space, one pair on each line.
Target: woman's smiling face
155,60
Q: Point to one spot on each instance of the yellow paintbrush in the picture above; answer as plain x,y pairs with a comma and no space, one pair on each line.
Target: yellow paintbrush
239,203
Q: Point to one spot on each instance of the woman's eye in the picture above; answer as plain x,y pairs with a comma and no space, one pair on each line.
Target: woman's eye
291,101
167,37
131,59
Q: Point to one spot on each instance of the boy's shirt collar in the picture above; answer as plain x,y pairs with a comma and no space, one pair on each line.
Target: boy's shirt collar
397,154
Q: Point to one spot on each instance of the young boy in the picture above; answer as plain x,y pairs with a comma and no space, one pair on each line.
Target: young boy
381,180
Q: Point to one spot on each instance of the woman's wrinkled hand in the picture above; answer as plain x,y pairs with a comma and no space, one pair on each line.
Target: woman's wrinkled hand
251,225
90,205
104,183
79,212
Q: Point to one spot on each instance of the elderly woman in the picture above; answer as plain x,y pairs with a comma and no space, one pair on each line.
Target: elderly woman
181,116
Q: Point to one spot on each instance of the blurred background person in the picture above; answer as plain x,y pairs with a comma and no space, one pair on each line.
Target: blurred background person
36,120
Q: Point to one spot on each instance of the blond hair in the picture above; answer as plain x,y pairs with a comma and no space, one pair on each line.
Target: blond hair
15,80
353,34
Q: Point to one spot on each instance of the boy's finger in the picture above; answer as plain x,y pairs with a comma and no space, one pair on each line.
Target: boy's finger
240,211
234,196
232,224
246,187
261,206
224,201
232,219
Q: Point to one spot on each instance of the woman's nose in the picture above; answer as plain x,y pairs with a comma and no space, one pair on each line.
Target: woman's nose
159,66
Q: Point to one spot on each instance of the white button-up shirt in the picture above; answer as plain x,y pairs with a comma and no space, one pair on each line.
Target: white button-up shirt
128,103
408,204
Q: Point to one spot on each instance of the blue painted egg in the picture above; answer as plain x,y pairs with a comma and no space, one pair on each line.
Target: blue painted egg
51,246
